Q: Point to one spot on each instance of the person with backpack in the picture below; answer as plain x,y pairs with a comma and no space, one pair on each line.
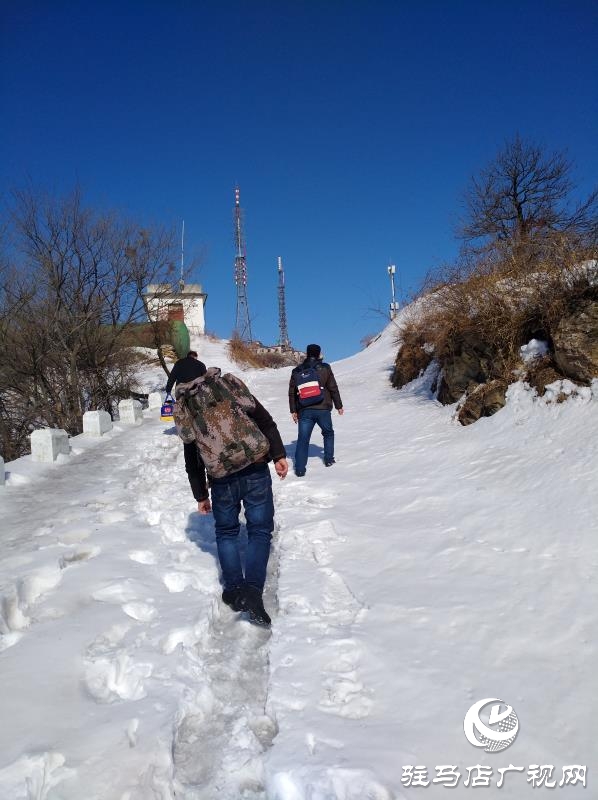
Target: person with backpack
312,393
185,370
234,438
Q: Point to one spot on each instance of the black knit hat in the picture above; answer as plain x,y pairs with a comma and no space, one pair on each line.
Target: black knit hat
313,350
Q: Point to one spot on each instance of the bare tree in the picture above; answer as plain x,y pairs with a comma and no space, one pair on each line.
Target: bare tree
522,197
70,294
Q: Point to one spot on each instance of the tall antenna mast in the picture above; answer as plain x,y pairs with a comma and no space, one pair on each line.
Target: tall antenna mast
242,324
394,306
182,278
282,311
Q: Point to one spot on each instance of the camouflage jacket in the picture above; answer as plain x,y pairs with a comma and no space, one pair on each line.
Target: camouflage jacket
230,427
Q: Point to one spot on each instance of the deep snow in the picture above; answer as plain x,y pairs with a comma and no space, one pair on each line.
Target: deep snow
431,567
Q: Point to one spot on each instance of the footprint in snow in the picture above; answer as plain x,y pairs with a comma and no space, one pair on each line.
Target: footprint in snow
119,678
347,659
106,643
77,556
143,557
110,517
115,593
142,612
345,695
32,777
44,530
68,538
189,636
179,581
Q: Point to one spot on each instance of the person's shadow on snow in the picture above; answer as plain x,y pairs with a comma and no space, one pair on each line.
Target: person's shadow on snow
200,531
313,450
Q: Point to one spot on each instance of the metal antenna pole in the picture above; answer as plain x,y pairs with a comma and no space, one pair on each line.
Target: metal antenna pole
242,323
182,279
282,312
394,306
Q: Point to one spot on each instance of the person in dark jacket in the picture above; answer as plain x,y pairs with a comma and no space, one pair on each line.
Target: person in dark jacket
317,413
185,370
251,486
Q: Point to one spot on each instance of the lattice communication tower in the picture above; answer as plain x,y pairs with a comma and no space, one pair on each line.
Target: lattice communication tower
282,310
242,323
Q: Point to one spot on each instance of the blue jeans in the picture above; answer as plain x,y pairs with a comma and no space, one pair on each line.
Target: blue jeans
252,486
308,417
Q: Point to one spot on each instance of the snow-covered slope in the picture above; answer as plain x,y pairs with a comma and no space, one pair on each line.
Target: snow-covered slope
431,567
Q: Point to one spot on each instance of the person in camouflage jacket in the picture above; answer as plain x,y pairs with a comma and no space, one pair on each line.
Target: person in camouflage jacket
257,439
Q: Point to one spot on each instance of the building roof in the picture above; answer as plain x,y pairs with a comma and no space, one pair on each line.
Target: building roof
166,289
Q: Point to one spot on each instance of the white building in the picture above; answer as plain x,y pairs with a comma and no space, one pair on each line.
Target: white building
185,304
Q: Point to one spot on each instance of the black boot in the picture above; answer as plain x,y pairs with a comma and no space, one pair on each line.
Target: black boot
235,598
255,606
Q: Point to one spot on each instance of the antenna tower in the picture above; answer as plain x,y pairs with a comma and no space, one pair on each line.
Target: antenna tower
242,323
182,278
282,311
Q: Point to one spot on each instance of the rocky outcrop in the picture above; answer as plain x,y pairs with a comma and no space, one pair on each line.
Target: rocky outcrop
469,364
476,370
483,401
576,344
411,361
541,372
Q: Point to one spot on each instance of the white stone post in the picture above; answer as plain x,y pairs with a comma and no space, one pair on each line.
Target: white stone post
48,443
130,412
2,475
96,423
155,401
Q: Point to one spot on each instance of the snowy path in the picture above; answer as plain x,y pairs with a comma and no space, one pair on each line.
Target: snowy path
432,566
153,663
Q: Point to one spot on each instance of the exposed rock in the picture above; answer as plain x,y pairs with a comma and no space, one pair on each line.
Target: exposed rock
412,359
483,401
576,344
469,364
541,372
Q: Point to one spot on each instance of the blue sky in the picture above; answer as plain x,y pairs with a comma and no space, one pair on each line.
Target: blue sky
352,129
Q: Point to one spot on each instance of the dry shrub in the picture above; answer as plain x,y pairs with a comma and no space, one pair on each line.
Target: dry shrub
146,334
169,352
367,340
273,360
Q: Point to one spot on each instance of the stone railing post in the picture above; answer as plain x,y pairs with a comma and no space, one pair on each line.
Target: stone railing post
97,423
48,443
154,401
129,412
